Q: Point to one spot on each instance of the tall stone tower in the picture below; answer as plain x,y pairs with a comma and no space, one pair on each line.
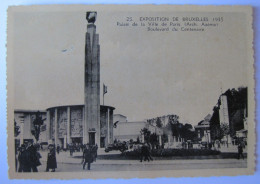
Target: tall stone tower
91,126
223,110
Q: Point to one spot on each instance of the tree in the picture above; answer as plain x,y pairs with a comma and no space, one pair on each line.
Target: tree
153,140
237,110
174,124
37,123
188,134
214,124
138,140
146,134
237,103
159,123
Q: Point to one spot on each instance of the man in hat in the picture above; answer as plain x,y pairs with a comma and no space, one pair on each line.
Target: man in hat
24,160
87,156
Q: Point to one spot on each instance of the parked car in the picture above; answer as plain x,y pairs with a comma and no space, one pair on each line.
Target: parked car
117,146
203,145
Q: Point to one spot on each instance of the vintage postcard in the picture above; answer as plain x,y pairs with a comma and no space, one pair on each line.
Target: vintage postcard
126,91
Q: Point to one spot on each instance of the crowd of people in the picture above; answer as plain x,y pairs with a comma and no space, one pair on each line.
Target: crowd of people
28,158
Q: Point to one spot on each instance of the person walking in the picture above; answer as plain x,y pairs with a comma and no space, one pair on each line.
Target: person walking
240,151
87,156
24,160
51,159
95,148
149,152
34,157
71,149
144,153
58,148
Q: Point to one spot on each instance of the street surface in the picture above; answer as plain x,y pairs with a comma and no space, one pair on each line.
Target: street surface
66,163
135,165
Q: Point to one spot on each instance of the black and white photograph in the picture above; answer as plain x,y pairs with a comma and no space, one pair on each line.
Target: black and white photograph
130,91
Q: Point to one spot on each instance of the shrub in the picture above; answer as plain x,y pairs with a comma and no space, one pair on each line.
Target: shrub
175,152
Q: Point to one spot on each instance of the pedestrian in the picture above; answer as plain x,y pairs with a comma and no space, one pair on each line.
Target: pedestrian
240,151
144,153
82,147
51,159
95,148
149,152
71,147
58,148
210,145
34,156
24,160
87,156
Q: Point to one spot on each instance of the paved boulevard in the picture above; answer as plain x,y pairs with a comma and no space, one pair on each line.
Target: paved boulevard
135,165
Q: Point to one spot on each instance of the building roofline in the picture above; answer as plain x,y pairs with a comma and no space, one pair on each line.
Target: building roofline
129,122
29,111
62,106
119,115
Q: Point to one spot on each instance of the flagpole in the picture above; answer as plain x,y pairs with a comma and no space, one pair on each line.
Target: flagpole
103,98
103,94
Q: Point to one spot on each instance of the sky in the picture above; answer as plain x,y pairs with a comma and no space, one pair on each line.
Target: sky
148,74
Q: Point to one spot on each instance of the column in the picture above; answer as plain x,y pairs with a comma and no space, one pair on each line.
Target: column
21,119
30,129
48,126
65,142
85,141
56,127
68,126
22,132
108,128
209,136
160,140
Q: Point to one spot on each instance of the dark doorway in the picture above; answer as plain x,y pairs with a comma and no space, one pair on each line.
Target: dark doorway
76,140
62,142
102,142
92,138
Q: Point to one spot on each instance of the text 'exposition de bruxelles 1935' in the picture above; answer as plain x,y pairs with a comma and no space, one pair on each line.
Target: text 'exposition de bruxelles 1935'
183,23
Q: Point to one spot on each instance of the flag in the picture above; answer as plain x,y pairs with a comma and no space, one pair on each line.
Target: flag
104,89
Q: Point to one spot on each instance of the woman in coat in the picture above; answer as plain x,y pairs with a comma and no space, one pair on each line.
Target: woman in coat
51,160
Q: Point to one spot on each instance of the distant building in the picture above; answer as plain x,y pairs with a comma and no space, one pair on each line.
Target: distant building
119,118
65,125
124,131
164,120
62,125
23,120
203,129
